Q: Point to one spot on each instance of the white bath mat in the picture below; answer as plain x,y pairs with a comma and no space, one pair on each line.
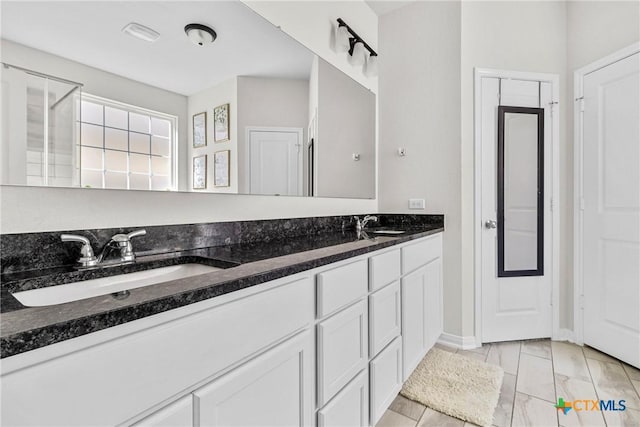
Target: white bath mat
456,385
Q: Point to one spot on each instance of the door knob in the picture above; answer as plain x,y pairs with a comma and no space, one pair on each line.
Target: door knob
491,224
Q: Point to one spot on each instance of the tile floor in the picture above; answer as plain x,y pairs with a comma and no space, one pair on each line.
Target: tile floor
536,373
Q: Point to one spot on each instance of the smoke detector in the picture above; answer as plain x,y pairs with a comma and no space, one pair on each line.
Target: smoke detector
200,34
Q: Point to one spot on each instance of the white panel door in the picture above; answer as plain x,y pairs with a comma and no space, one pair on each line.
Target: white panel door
611,226
519,306
275,162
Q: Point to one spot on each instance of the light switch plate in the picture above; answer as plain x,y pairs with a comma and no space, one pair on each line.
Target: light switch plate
416,204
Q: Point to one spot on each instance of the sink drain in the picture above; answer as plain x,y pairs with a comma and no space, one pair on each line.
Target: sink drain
121,295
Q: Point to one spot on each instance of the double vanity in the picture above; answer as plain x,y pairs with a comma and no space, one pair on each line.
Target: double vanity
283,322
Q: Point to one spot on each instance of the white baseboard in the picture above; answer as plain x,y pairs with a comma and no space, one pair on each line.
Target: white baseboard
565,335
457,341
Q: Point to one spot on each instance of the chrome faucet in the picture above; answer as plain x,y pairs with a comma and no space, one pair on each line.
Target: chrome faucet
360,225
118,241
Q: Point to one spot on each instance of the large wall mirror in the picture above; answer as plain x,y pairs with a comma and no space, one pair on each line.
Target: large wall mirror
117,95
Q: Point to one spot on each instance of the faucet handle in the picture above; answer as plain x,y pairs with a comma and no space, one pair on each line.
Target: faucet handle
87,258
122,239
124,242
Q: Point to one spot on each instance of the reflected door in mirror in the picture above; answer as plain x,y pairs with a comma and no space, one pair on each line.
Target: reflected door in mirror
276,165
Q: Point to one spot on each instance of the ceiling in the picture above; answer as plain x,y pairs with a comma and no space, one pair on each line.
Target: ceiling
381,7
89,32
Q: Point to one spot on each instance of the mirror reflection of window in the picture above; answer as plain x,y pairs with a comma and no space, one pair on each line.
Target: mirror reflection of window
125,147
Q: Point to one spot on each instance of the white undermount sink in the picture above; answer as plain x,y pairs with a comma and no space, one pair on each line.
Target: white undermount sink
106,285
388,232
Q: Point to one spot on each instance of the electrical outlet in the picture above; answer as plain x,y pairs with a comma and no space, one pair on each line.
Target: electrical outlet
416,204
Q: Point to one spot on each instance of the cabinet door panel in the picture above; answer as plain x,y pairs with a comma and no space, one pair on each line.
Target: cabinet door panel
414,329
274,389
384,317
350,407
177,414
342,349
433,281
386,379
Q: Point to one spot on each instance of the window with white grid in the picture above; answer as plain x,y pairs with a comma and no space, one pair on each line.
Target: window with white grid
126,147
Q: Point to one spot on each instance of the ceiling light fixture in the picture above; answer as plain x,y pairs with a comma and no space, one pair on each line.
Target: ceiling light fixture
357,48
141,32
200,34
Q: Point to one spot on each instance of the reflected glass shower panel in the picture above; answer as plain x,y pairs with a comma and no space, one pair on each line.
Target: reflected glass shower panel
39,132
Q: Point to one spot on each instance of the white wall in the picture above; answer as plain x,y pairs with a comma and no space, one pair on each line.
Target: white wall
346,126
419,99
205,101
268,102
311,22
21,208
107,85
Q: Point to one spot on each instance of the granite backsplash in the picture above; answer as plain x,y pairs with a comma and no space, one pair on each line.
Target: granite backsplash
31,251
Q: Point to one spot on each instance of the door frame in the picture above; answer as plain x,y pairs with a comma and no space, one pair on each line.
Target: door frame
247,151
554,80
578,200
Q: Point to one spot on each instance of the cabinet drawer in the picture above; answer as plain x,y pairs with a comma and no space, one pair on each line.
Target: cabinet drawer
350,407
385,372
420,253
341,286
384,269
342,349
126,372
384,317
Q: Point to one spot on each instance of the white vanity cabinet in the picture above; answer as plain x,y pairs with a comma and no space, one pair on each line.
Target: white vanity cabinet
124,373
327,347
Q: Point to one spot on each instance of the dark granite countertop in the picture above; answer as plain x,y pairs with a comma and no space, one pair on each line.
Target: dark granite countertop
243,265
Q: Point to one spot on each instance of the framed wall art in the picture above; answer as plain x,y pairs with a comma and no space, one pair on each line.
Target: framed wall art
200,172
221,168
221,123
200,130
